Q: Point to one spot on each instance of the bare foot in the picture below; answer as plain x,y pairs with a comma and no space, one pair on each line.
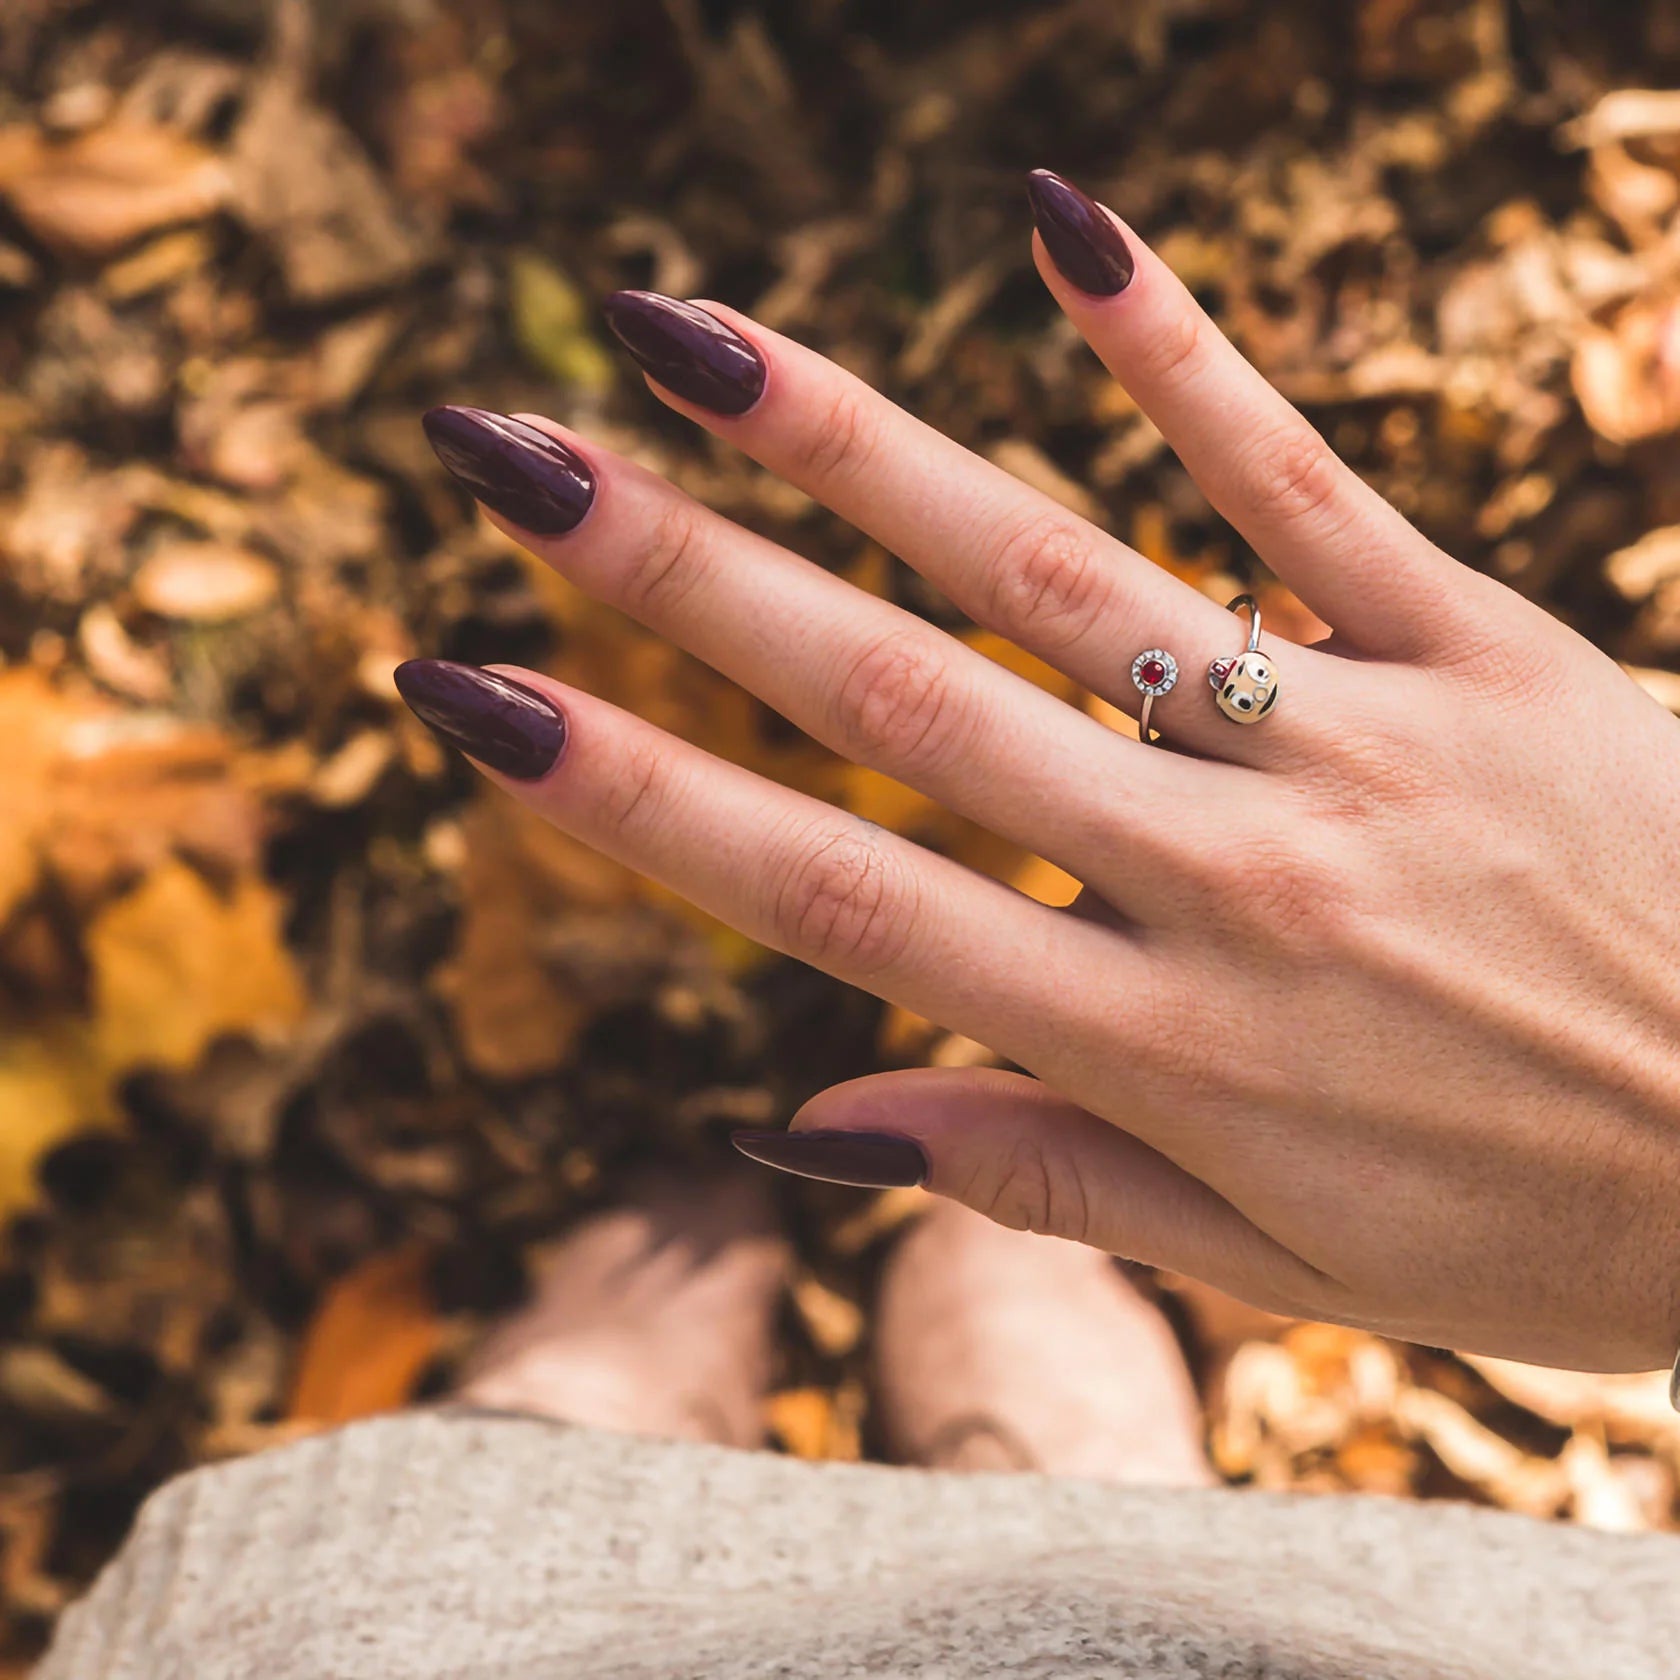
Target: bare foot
654,1318
1000,1350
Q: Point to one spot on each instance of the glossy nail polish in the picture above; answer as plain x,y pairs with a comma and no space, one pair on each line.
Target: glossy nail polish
1080,236
515,470
688,351
499,722
873,1160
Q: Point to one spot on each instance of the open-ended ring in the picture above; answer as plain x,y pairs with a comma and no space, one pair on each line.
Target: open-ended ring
1154,671
1245,688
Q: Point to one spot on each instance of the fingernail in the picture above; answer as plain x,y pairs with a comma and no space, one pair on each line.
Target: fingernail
1080,236
688,351
499,722
515,470
872,1160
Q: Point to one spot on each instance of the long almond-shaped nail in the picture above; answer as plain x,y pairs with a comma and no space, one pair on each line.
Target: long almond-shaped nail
688,351
874,1160
1080,236
515,470
499,722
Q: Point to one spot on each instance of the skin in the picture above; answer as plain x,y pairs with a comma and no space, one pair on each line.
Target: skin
1368,1012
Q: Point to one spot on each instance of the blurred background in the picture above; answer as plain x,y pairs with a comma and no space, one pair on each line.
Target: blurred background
306,1040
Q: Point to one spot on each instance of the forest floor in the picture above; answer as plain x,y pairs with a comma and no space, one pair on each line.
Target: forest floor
306,1039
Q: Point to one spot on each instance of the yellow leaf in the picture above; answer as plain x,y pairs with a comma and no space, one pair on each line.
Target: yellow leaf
551,322
1003,652
98,190
1045,882
175,965
881,800
51,1084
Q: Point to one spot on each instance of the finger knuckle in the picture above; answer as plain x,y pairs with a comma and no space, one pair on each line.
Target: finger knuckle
1034,1185
1381,759
666,565
1294,901
638,793
1291,475
839,442
1284,887
1172,355
894,704
1047,582
844,905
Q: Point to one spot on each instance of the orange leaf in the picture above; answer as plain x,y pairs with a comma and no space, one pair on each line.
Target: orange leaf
372,1337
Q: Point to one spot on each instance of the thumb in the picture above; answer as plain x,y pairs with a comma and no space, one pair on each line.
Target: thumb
1010,1148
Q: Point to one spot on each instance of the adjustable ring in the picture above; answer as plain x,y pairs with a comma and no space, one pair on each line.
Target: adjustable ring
1245,688
1154,671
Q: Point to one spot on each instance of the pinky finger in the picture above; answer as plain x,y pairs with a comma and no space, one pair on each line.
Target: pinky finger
1009,1148
787,870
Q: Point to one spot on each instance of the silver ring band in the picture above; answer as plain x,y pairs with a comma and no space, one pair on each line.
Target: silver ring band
1247,603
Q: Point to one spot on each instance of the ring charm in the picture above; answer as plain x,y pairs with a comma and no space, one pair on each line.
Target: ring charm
1245,688
1154,671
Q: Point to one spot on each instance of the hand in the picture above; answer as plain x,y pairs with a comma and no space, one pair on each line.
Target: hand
1368,1012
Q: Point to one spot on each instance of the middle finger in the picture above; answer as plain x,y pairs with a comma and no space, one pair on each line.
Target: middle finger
1012,558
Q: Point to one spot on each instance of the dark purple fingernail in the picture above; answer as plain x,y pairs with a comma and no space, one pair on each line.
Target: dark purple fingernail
515,470
873,1160
499,722
688,351
1080,236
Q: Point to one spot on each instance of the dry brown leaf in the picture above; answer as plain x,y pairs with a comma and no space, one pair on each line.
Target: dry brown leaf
70,521
1639,197
205,582
1475,1454
1627,375
370,1341
243,425
157,264
303,182
1600,1495
350,775
515,1014
114,658
1627,1408
94,193
1027,462
1639,570
1626,114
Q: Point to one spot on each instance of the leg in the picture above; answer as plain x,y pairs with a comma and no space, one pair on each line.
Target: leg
1001,1350
654,1318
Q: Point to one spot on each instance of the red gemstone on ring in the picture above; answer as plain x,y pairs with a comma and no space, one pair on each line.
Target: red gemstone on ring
1153,672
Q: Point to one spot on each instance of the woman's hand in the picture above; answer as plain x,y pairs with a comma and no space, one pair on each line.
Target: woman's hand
1368,1012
